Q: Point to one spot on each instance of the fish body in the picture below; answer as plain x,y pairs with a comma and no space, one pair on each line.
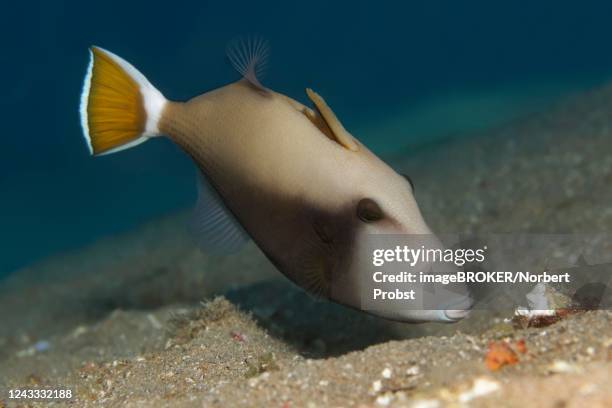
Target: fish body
271,169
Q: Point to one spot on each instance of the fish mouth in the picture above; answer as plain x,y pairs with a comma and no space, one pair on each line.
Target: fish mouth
460,310
455,315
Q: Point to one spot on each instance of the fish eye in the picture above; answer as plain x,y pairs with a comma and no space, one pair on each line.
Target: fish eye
409,181
368,210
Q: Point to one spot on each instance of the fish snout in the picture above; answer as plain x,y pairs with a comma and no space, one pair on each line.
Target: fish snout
459,310
456,314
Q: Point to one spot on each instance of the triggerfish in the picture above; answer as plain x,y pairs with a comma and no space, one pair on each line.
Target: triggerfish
271,169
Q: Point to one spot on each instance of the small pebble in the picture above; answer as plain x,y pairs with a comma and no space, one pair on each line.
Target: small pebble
384,400
414,370
386,373
562,367
481,387
425,403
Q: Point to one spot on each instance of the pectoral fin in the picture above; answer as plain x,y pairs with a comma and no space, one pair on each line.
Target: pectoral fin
315,263
216,229
326,120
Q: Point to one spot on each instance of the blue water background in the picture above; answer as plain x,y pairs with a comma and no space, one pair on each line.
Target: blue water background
446,66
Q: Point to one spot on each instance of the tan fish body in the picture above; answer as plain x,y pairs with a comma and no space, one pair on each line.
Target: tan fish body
290,177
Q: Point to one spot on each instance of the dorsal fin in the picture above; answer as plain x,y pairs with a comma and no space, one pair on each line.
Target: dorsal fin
337,131
249,56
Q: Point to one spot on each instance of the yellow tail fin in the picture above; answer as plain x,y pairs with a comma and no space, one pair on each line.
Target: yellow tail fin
119,107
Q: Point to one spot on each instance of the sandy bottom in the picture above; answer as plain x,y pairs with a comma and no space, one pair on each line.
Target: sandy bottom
120,323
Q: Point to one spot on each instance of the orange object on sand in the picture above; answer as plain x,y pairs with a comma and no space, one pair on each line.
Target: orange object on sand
498,355
520,346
